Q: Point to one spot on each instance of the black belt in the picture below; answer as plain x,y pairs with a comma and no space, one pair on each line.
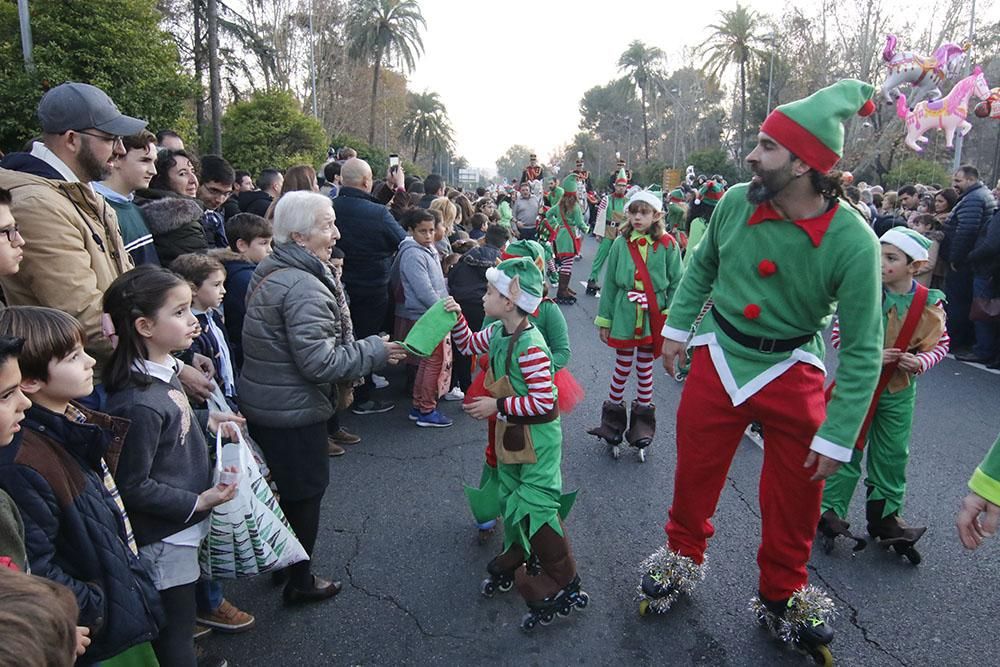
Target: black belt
766,345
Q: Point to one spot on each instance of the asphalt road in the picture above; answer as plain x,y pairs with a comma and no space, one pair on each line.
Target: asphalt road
396,530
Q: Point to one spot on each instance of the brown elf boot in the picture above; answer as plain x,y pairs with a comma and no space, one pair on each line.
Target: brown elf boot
563,294
613,422
891,529
642,426
832,526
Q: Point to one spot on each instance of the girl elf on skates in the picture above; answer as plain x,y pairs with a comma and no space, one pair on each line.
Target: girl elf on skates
644,268
567,219
548,319
610,215
528,444
914,343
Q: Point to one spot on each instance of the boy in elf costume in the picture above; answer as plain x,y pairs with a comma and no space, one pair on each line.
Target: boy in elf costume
550,322
546,233
915,340
566,218
782,253
523,397
644,268
610,214
984,500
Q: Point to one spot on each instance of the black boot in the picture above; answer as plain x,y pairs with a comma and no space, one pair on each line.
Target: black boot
592,287
892,531
642,426
613,422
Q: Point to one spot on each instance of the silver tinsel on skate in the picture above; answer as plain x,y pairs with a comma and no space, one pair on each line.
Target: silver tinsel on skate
806,604
671,569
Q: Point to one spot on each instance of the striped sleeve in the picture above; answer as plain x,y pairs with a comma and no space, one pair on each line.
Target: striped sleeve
835,334
930,358
537,372
469,342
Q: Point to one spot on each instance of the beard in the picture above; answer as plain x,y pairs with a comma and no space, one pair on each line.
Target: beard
768,184
93,168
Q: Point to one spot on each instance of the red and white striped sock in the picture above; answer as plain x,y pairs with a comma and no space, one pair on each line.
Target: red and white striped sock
566,265
623,368
644,373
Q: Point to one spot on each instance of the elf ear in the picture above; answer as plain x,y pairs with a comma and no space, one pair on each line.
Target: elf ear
514,289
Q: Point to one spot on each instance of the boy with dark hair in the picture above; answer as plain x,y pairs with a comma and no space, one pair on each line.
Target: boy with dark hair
331,172
215,185
249,242
242,183
12,552
59,472
132,172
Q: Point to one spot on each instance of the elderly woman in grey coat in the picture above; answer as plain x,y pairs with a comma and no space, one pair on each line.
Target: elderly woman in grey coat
293,357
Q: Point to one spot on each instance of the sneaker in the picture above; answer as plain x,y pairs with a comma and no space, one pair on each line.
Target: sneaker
456,394
433,419
333,449
344,437
227,618
414,414
379,381
371,407
201,631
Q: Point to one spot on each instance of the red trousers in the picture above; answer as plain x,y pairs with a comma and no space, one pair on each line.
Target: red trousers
709,428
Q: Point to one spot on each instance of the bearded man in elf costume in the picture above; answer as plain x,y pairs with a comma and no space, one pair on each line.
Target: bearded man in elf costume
783,253
566,219
610,214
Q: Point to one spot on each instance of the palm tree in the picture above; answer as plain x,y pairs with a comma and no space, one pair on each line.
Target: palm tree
734,41
644,64
426,123
384,29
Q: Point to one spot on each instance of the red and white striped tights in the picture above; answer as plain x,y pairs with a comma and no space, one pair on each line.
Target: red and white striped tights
643,358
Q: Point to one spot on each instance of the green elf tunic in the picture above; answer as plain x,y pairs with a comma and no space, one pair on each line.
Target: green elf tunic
621,307
697,233
614,207
986,479
778,279
888,437
566,243
530,494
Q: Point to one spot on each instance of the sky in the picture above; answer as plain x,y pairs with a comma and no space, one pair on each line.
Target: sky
513,71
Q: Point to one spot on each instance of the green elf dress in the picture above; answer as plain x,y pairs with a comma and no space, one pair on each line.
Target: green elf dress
566,243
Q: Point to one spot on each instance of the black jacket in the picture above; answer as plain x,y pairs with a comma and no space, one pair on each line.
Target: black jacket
74,532
467,279
175,223
985,256
967,221
255,201
369,236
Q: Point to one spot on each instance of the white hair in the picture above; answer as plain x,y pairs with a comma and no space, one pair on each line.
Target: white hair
296,213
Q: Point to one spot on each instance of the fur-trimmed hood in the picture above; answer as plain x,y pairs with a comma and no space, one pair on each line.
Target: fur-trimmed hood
170,213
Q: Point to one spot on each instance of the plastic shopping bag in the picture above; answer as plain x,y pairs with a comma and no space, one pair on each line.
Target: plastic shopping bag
249,534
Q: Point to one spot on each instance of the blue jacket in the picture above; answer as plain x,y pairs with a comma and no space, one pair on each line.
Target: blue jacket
985,256
74,532
29,164
971,213
369,236
234,303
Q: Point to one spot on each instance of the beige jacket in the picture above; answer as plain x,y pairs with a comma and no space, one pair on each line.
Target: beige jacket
73,251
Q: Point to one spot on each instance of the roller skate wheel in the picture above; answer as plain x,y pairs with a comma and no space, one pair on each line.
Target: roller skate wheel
487,588
644,607
565,611
912,555
642,455
582,600
505,586
615,451
528,622
821,655
547,618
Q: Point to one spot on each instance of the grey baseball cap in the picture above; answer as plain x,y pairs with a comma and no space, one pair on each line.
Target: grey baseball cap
79,106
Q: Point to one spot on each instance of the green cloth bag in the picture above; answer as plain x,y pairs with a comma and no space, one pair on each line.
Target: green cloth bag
428,332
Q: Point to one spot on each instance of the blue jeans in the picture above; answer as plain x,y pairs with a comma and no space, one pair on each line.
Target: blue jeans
986,332
208,594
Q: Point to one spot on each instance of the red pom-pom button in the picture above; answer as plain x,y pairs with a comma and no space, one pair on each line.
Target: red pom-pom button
867,109
752,311
767,268
642,241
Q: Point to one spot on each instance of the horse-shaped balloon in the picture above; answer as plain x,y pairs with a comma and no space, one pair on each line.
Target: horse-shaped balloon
947,114
925,75
990,107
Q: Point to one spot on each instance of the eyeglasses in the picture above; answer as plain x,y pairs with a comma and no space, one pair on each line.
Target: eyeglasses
113,139
11,232
216,191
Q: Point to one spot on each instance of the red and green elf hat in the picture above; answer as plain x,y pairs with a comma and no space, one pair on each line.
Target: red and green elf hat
569,184
621,178
813,128
676,196
710,193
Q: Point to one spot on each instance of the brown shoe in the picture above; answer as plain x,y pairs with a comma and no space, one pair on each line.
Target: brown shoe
227,618
344,437
333,449
320,590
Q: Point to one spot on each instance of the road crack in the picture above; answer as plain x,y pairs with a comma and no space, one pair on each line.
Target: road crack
753,510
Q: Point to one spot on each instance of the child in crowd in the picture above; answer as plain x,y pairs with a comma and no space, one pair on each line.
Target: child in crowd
37,622
644,268
566,219
164,473
249,242
416,273
207,278
60,474
13,405
930,227
478,224
528,444
914,343
337,435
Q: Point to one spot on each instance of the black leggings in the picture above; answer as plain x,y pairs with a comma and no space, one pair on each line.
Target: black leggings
303,517
175,645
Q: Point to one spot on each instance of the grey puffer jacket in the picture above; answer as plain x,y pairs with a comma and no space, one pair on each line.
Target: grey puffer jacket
416,271
292,345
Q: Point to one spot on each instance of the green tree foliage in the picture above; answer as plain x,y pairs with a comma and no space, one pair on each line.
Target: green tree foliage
376,158
270,130
116,45
513,161
714,161
426,124
916,170
644,65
